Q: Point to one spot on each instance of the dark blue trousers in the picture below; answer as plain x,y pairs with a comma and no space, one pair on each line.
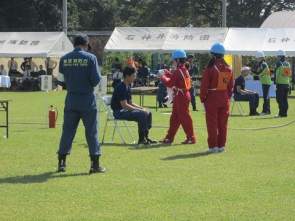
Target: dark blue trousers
143,120
282,99
80,106
252,98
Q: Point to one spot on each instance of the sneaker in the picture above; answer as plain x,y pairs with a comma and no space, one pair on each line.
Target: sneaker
277,116
263,113
151,141
212,150
221,149
189,141
165,140
97,170
254,114
144,141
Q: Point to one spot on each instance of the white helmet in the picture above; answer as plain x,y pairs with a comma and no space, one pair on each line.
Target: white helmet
259,54
281,53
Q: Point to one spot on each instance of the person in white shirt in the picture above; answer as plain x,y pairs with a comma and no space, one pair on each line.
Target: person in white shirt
117,77
27,72
32,64
12,65
50,65
2,71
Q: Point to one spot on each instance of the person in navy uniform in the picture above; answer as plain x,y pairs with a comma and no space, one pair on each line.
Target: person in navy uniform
124,108
79,73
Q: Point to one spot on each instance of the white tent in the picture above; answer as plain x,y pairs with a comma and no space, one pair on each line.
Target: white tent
247,41
163,39
34,44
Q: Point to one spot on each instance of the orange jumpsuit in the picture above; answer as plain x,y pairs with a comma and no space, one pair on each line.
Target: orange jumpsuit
215,92
180,109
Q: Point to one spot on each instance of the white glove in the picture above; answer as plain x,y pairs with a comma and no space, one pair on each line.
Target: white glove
203,106
161,72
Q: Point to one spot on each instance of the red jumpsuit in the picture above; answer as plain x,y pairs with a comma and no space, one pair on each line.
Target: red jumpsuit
215,92
180,109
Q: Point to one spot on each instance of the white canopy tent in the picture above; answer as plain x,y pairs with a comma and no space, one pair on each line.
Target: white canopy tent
34,44
163,39
247,41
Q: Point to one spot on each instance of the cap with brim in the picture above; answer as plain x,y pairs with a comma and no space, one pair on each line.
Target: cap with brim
245,69
82,39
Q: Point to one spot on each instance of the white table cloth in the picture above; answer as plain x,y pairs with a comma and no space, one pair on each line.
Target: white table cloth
5,81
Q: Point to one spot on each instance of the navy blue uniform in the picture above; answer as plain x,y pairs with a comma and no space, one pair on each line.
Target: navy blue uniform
79,73
121,93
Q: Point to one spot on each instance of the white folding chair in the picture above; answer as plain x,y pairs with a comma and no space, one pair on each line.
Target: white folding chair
238,105
105,102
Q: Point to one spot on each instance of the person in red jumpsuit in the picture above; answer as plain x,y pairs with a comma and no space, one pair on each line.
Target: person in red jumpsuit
215,92
180,82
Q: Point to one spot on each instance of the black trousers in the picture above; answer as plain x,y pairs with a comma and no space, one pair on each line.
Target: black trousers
282,99
266,101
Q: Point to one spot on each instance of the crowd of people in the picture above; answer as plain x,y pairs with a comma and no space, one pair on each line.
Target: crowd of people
29,76
217,88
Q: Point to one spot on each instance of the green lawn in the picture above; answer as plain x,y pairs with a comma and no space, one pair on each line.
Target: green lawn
253,180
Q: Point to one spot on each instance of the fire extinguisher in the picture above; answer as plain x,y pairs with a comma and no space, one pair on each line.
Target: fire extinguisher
53,113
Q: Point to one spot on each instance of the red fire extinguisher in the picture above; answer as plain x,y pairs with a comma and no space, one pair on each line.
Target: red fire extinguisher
52,116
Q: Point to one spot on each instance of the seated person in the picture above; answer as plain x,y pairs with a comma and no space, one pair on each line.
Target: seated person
242,94
124,108
41,71
162,95
117,77
2,71
143,71
116,65
249,77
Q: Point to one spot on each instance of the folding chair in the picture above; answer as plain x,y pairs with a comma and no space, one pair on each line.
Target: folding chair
239,107
105,102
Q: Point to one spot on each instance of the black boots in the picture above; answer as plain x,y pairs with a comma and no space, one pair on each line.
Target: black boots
253,112
149,139
142,139
161,105
194,107
61,163
94,166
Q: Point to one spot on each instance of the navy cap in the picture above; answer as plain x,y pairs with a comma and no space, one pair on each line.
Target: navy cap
82,39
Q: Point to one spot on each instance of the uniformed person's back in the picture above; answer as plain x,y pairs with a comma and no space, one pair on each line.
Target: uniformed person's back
79,73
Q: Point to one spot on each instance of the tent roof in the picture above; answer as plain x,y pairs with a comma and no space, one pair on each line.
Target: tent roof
163,39
34,44
282,19
247,41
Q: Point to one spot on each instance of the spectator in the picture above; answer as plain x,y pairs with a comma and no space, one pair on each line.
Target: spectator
2,71
117,77
193,71
242,94
144,71
41,71
160,65
131,62
50,65
162,95
23,64
117,65
12,66
32,64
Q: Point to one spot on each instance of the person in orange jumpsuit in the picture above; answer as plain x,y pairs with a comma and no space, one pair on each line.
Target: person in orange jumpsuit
131,62
215,92
180,82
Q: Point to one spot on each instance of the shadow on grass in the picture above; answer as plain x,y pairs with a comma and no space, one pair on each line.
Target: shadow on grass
185,156
39,178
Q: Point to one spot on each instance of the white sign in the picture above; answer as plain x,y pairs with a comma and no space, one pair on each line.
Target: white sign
46,82
101,88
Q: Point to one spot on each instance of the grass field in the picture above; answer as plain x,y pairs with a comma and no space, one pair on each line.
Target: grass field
253,180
